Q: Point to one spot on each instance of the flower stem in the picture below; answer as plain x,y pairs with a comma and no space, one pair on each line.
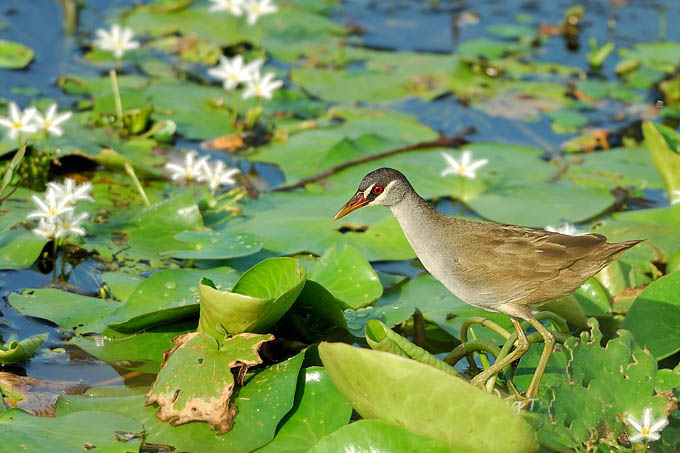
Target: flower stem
63,256
131,172
234,107
116,97
47,143
54,260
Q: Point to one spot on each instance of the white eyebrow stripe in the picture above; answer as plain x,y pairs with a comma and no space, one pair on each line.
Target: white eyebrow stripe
367,192
380,197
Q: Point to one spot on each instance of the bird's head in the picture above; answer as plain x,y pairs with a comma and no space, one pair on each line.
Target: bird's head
381,187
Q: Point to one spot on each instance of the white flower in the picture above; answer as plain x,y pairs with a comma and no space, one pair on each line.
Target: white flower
675,196
261,87
19,121
566,228
234,71
256,8
49,208
45,229
71,192
218,175
70,224
192,170
646,429
118,40
466,168
51,121
235,7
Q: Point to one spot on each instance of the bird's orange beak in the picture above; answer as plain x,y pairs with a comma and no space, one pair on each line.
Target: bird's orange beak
353,204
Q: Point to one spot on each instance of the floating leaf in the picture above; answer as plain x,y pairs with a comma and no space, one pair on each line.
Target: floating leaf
264,400
72,433
347,275
14,55
319,410
19,248
377,436
35,396
15,351
204,393
166,296
442,407
81,314
654,316
258,300
213,245
667,160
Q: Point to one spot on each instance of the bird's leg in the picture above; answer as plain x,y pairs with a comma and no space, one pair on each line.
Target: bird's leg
522,347
549,339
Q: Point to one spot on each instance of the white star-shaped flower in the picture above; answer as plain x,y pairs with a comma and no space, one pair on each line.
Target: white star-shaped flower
466,168
261,87
234,71
646,429
49,208
118,40
19,121
218,174
70,224
45,229
256,8
566,228
675,196
71,192
235,7
51,121
192,169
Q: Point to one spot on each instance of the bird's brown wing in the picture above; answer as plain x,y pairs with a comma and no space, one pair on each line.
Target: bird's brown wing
523,265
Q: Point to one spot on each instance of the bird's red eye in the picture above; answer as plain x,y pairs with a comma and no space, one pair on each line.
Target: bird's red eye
377,190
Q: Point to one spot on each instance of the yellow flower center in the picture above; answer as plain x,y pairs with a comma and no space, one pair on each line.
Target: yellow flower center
646,431
47,123
118,45
18,125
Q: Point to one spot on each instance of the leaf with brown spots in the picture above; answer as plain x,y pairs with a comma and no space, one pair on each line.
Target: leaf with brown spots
35,396
196,380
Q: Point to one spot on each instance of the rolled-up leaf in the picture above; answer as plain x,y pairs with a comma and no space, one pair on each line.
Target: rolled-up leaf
258,300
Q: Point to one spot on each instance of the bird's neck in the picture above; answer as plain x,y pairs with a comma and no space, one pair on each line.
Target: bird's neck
417,219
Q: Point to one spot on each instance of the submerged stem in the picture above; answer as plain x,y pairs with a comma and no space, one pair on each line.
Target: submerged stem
116,96
131,172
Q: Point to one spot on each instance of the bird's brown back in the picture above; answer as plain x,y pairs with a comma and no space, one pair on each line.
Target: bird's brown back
517,265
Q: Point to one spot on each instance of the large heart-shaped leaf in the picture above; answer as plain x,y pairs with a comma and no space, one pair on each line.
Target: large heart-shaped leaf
258,300
443,407
654,316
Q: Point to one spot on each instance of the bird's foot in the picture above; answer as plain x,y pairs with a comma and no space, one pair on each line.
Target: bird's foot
479,382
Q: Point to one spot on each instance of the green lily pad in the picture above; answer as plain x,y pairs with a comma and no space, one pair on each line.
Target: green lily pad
442,407
257,301
347,275
14,55
81,314
377,436
147,232
166,296
654,315
262,402
141,352
318,411
15,351
567,121
316,299
19,248
77,432
203,393
211,245
550,204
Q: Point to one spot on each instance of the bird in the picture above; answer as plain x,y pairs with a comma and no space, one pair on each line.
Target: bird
493,266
